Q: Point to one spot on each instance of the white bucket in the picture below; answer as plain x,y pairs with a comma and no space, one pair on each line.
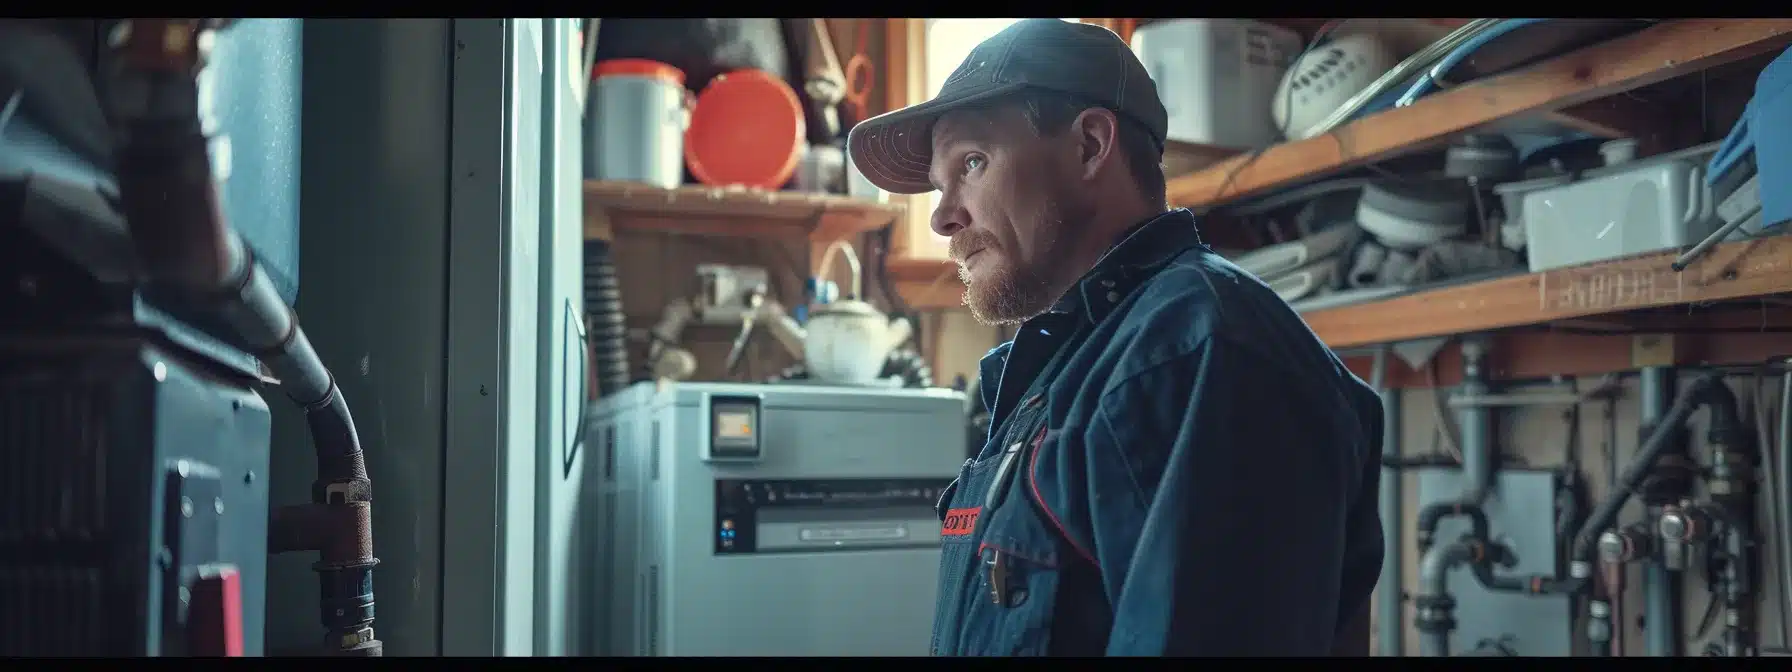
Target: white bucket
638,112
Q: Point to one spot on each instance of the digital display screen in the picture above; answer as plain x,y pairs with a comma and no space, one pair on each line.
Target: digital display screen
734,425
734,428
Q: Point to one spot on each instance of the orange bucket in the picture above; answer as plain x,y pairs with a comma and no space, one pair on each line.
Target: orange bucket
747,130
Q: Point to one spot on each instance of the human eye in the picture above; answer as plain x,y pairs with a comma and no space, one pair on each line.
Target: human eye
974,162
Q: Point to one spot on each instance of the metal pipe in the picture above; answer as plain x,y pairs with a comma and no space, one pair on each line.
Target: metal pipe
1516,400
1737,594
1661,586
1730,483
1615,586
1708,390
1476,424
1391,617
1435,606
1722,232
1782,498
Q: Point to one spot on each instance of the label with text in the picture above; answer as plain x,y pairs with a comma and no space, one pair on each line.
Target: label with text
960,522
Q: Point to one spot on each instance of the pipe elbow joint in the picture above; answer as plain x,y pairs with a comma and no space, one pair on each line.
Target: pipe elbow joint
1434,514
1435,566
1710,391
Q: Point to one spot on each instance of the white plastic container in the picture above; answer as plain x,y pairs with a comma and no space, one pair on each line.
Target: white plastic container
634,130
1217,77
1634,207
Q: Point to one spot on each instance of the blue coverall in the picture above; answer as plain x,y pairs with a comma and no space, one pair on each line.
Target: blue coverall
1176,465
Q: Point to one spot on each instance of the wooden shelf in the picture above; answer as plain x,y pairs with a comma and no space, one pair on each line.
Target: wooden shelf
1565,297
1730,271
709,211
1655,54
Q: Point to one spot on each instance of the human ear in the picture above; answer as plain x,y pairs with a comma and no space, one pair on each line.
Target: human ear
1097,132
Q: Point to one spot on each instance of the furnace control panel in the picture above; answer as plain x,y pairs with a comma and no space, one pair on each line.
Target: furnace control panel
743,505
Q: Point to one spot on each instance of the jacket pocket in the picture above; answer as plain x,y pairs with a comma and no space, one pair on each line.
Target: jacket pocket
1017,586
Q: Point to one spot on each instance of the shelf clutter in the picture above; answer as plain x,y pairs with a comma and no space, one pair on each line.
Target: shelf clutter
1582,90
764,162
1554,87
612,206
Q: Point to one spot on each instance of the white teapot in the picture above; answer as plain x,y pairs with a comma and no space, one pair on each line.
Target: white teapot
848,341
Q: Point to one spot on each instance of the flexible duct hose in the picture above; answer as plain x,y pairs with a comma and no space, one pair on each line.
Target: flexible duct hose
603,308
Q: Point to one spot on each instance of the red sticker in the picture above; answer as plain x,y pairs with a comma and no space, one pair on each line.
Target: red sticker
960,522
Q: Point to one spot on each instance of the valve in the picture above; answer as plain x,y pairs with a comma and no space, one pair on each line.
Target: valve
1681,528
1620,546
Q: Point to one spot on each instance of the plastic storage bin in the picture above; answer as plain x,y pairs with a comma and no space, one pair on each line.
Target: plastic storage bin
1632,208
1217,77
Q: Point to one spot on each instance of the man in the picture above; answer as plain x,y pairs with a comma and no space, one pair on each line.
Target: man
1176,465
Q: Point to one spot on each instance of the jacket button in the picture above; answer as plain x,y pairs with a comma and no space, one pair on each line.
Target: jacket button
1017,598
1113,297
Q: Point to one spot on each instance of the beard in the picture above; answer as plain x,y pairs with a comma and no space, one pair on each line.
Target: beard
1012,290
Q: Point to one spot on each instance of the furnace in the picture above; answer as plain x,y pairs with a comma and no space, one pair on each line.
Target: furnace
767,520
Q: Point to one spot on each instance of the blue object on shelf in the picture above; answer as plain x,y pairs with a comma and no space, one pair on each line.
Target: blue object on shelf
1765,131
821,291
1428,81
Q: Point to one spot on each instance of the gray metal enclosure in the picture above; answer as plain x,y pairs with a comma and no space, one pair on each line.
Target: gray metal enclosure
821,541
440,233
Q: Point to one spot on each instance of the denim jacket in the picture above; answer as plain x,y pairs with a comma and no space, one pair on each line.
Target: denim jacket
1176,465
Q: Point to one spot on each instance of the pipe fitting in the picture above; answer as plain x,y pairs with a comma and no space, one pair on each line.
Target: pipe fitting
1599,628
1621,546
1580,569
1683,524
1434,514
1706,390
1680,529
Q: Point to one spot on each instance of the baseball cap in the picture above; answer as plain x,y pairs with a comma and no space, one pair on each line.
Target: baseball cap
1084,61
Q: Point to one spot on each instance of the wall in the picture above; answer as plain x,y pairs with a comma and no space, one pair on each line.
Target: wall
375,205
1539,436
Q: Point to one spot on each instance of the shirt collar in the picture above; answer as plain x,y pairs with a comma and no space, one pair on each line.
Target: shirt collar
1136,257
